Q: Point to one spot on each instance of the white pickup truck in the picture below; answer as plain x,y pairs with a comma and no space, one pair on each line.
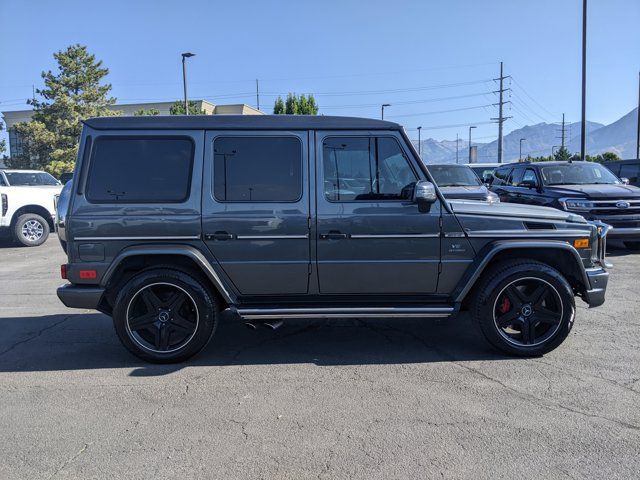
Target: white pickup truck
27,205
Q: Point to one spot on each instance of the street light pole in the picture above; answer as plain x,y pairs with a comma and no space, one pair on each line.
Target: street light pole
583,123
419,142
638,126
184,79
520,157
457,142
384,105
470,127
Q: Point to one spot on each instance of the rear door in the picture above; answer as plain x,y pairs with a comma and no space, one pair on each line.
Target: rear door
371,238
255,209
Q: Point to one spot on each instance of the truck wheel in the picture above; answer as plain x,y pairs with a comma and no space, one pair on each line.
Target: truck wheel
524,307
31,230
164,315
632,245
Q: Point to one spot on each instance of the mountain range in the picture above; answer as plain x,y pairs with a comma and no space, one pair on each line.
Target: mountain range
618,137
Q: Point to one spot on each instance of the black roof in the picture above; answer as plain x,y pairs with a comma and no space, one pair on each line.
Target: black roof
240,122
545,164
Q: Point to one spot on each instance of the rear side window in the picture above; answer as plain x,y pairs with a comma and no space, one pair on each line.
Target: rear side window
140,170
257,169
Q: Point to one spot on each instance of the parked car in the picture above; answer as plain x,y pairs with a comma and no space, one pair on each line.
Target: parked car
586,188
459,181
484,171
629,169
175,221
27,198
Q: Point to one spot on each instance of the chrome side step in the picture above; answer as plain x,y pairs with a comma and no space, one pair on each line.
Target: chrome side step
373,312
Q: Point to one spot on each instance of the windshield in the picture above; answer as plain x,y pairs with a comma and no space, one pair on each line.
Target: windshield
454,176
578,173
30,178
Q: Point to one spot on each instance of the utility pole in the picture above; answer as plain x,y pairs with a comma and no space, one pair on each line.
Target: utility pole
638,133
457,142
470,127
419,142
520,157
501,118
583,123
257,94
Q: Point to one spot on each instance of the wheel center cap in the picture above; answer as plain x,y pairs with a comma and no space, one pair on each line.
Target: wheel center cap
164,316
526,310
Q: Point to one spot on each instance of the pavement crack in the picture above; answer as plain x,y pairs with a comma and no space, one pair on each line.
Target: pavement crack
33,337
71,459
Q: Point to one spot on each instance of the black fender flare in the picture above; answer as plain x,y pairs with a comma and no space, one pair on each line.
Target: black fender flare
488,253
184,250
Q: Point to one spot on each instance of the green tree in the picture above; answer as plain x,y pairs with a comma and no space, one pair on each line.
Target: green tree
142,112
562,154
3,143
278,107
178,108
71,95
296,105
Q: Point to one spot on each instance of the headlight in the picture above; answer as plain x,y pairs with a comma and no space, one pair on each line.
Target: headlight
576,204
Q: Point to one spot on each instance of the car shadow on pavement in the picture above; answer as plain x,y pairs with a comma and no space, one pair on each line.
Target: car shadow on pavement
88,341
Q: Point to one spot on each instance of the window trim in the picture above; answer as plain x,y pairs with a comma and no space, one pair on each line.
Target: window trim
253,135
139,137
369,137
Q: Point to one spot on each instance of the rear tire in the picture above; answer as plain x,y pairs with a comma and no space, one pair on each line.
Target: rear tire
524,307
632,245
164,316
31,230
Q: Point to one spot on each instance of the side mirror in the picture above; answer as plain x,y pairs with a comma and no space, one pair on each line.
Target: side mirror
424,194
624,180
528,184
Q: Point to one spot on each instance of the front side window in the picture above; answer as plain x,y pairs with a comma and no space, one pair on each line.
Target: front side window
630,171
516,176
257,169
530,177
140,170
501,175
31,179
365,169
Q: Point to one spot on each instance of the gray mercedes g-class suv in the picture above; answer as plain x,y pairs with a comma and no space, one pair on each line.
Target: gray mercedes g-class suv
173,222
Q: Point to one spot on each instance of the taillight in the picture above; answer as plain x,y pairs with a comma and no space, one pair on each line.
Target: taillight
5,204
63,271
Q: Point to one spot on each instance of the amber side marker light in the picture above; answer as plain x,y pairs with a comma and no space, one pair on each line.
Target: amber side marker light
581,243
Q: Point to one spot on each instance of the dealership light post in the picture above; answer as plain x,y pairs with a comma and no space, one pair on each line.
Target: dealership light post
583,122
470,127
419,143
382,108
184,79
521,140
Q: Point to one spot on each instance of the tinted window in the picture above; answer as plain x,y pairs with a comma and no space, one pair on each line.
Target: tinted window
630,171
258,169
529,176
366,168
516,176
140,170
500,175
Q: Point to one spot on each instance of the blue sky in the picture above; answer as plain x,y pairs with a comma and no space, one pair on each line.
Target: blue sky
432,60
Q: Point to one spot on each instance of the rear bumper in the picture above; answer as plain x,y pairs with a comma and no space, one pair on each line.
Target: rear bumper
80,296
598,279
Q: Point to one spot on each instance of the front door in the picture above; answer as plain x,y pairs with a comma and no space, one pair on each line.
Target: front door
255,209
371,238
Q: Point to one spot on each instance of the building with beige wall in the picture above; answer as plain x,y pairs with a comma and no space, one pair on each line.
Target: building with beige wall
17,116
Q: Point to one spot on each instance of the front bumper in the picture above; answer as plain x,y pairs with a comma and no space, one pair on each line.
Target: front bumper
625,233
80,296
598,279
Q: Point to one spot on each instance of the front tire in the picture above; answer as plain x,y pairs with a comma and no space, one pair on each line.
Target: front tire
524,308
31,230
164,315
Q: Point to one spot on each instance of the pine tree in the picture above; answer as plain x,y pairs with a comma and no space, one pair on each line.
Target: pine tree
296,105
291,104
142,112
278,107
69,96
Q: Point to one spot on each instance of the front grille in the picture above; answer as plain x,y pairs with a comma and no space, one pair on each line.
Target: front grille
615,207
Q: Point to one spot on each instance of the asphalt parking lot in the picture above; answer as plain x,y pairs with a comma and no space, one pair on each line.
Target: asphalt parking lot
349,399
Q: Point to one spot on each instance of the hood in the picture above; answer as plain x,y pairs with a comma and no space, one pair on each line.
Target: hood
609,191
471,192
514,210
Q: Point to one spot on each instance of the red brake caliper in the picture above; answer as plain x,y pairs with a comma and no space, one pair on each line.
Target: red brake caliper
505,305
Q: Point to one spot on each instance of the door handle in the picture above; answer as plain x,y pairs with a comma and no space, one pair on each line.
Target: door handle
218,236
333,235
